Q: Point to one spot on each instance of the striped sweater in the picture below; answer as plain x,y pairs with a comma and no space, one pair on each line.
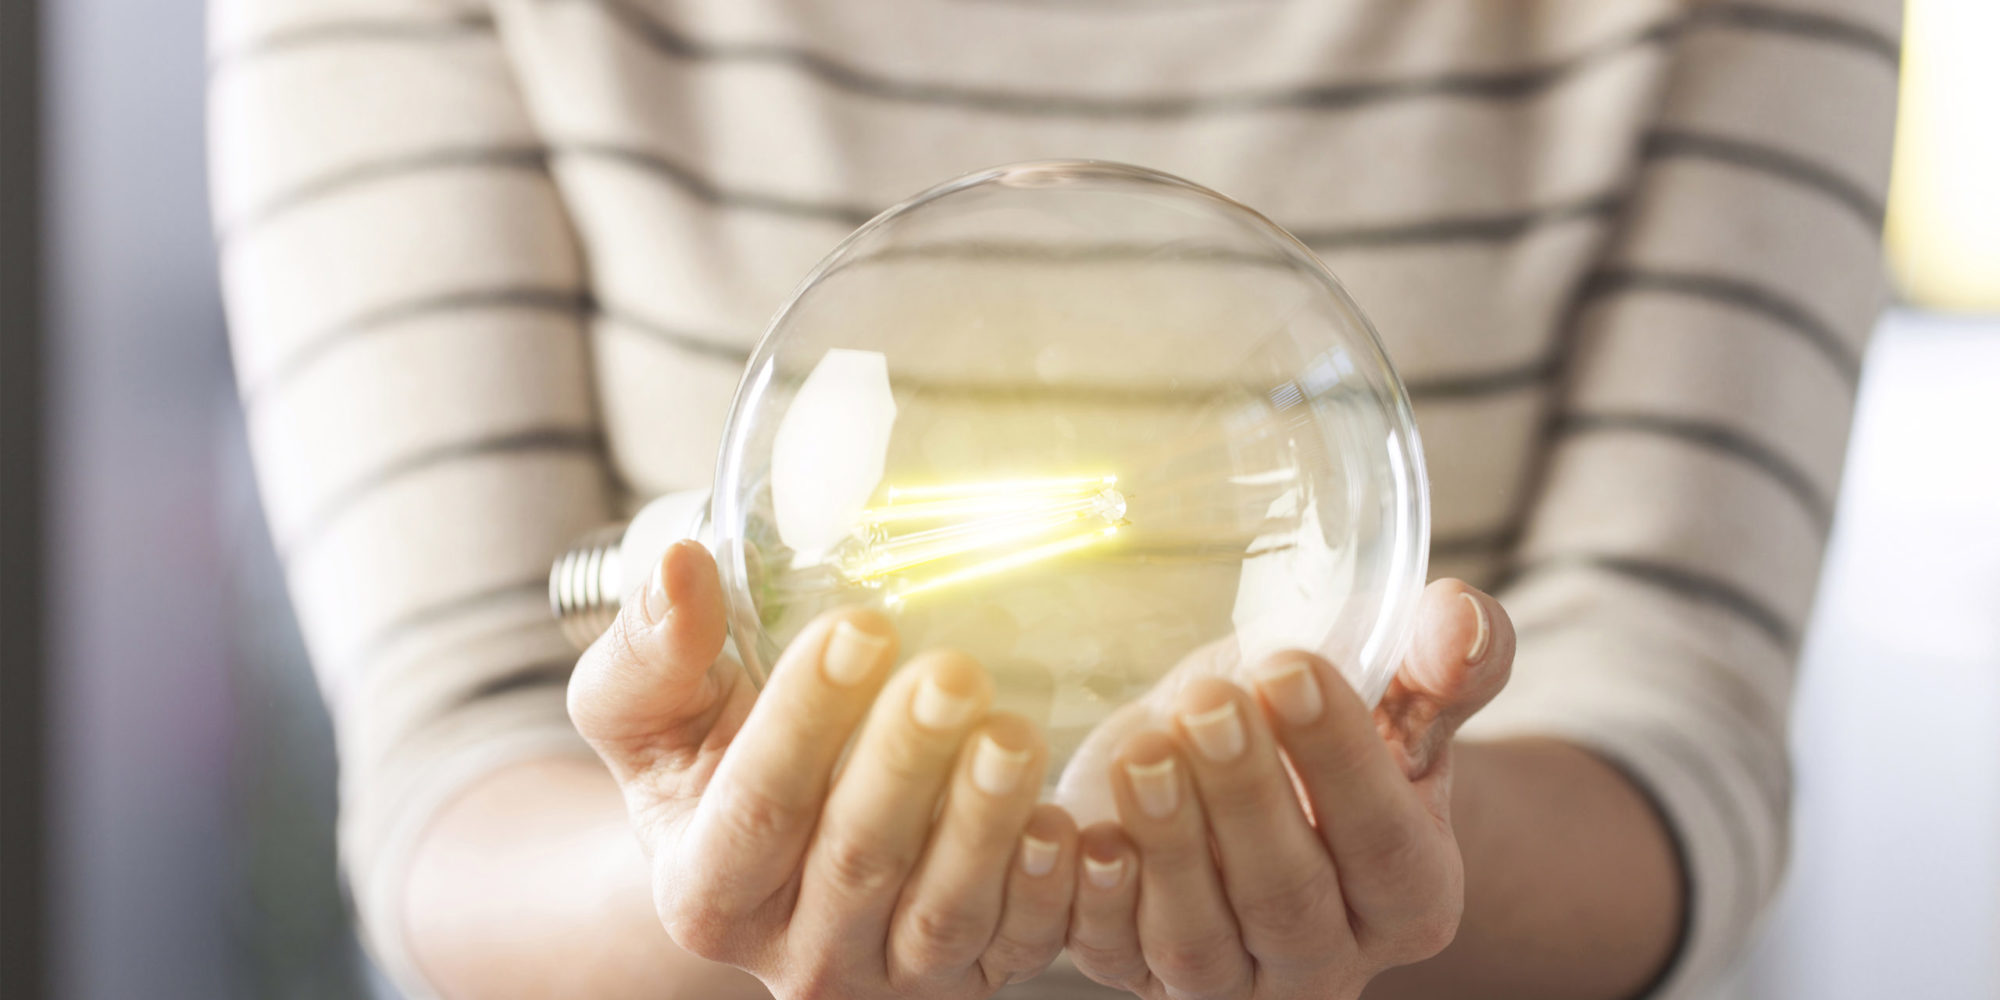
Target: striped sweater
493,267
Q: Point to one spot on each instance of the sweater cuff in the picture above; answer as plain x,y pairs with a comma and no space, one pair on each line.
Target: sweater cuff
1706,769
381,835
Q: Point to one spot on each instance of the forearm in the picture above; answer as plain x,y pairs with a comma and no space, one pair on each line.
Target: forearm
532,885
1572,886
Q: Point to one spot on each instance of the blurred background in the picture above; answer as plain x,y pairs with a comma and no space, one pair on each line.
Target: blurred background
166,771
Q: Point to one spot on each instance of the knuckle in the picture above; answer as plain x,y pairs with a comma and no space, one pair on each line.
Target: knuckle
584,700
593,700
903,756
694,923
1294,912
1011,958
748,815
1176,853
816,979
858,867
1260,798
1421,934
1393,847
977,825
1117,967
1419,931
697,932
1203,965
938,938
1346,756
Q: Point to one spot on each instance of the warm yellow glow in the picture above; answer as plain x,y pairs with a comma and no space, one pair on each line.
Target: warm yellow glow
941,510
966,531
1944,195
898,554
1003,487
1013,560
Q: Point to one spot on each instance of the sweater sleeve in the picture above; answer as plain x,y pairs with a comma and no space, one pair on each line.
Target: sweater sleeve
405,301
1669,563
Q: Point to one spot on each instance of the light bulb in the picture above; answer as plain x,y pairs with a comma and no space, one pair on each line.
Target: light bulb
1098,427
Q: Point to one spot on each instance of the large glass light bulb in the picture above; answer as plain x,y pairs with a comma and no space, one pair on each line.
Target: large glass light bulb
1098,427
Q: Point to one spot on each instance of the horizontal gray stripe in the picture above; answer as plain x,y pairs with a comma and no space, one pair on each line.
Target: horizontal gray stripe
1812,26
1495,228
468,25
1488,227
705,190
1095,252
714,346
554,301
1736,294
1430,389
669,41
1663,144
552,674
1690,584
528,158
430,615
1127,6
551,440
1513,84
1714,437
1472,386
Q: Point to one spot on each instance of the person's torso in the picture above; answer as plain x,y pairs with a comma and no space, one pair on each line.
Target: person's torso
1457,163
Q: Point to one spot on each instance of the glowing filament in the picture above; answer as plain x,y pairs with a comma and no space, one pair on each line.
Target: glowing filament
965,531
1013,560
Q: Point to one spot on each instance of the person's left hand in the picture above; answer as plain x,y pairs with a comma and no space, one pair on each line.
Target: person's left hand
1227,877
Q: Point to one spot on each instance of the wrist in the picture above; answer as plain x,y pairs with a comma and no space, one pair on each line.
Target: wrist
1572,886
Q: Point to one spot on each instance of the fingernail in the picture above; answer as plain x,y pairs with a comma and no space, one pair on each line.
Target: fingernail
1485,633
1155,786
1104,874
657,599
1217,733
1291,690
936,708
996,769
851,654
1038,856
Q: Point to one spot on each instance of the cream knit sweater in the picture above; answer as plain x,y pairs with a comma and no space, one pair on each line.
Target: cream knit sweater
493,267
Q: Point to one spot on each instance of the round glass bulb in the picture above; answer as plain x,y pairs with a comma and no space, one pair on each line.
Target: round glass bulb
1096,426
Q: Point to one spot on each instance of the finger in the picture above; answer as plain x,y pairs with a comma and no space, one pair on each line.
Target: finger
1041,886
1186,929
879,811
651,671
1390,854
1277,875
1104,922
951,903
1460,659
1084,785
754,820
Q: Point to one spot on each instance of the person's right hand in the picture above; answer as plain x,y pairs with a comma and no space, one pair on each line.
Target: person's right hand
827,881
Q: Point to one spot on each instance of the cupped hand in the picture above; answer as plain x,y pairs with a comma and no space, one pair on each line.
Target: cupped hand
922,866
1286,841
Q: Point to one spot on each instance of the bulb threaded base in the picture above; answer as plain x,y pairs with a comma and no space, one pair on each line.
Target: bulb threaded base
584,585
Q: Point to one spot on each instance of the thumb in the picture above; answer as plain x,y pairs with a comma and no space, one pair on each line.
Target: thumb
1458,661
655,672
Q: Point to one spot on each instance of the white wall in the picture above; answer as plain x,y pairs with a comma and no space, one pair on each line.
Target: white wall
1895,878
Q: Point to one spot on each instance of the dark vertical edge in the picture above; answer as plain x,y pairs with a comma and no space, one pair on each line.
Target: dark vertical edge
23,910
